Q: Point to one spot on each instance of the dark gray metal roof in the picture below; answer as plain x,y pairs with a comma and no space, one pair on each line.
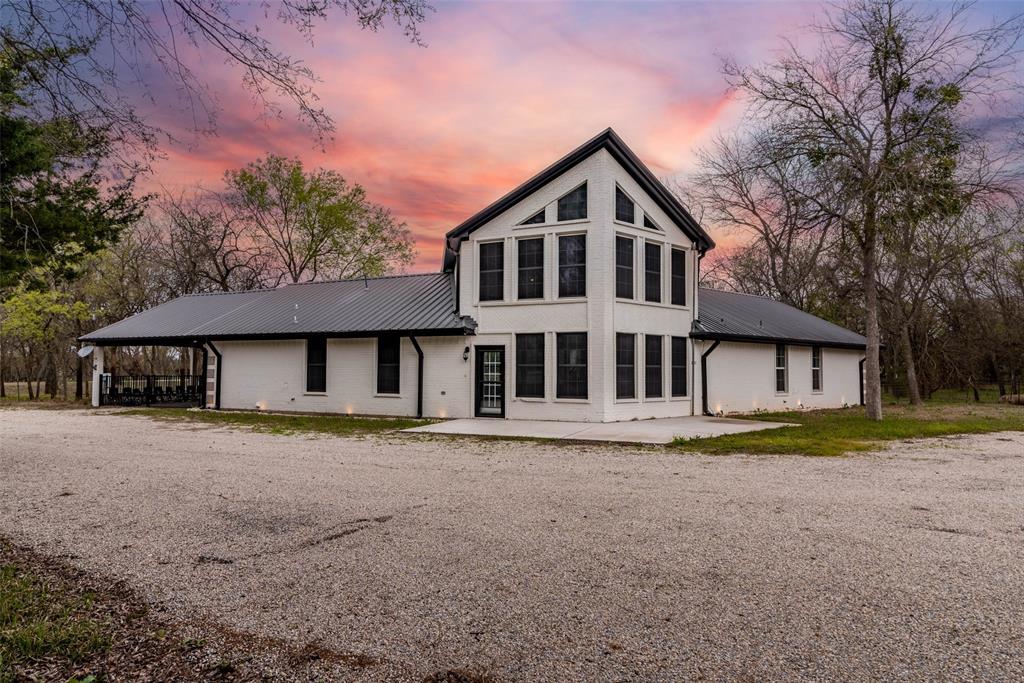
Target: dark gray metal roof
420,304
745,317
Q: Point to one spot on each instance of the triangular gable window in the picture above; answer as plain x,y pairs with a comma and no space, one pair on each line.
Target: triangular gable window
648,223
625,209
573,206
535,219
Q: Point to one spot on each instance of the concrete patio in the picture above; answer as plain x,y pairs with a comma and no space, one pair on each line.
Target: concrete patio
659,431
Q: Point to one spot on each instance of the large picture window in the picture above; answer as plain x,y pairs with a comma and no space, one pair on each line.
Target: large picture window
652,272
572,265
573,206
624,267
316,364
492,271
625,365
530,365
652,366
678,277
781,371
815,368
678,366
531,268
625,209
388,364
572,365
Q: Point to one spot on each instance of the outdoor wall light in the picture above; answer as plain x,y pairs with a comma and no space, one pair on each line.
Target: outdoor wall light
465,353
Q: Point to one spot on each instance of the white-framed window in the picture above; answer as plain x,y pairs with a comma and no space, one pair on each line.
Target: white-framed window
572,265
625,366
625,208
316,365
389,358
572,206
492,271
781,369
816,377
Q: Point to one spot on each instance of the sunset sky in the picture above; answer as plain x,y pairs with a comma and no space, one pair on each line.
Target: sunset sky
499,91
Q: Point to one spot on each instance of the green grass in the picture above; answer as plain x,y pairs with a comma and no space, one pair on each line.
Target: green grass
835,432
278,423
39,620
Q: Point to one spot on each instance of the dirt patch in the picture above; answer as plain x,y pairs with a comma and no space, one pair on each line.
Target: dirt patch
141,644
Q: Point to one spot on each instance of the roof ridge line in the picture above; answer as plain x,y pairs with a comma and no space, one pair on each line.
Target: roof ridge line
359,279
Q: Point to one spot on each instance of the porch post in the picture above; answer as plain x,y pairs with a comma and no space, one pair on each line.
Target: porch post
97,370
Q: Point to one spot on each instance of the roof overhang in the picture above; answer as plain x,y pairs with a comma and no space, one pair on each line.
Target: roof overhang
753,339
199,341
608,140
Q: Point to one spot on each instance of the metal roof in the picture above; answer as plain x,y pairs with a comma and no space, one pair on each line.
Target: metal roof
607,139
746,317
410,304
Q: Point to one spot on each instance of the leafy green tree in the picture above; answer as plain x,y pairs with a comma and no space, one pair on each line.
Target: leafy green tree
55,203
316,225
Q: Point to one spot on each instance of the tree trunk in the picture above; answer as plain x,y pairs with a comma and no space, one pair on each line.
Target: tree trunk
872,366
913,390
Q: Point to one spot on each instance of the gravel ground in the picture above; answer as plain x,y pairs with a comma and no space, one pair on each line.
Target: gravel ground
544,563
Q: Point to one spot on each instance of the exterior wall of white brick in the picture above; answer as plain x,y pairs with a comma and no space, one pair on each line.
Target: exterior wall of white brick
741,378
598,314
270,375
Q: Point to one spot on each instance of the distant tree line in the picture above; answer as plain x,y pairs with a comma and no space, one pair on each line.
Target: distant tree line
879,182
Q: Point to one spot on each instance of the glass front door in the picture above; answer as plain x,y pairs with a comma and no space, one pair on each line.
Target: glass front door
490,381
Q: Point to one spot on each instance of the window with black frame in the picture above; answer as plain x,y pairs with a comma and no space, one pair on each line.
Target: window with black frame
624,267
492,271
573,206
781,370
531,268
652,366
678,366
678,277
625,366
388,364
815,368
530,365
316,365
625,209
652,272
571,355
572,265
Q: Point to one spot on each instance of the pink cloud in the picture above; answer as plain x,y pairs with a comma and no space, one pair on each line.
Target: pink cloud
501,91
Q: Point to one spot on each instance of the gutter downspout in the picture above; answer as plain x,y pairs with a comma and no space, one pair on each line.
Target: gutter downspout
860,379
216,377
704,378
419,377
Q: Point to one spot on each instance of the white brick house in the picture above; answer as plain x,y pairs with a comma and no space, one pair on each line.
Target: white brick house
574,297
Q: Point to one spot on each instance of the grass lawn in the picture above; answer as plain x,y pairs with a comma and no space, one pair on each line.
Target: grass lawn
278,423
40,620
835,432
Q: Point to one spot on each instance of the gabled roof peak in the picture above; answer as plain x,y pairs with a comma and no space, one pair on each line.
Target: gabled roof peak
607,139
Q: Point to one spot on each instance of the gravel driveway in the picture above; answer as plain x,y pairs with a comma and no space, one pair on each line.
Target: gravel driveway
545,563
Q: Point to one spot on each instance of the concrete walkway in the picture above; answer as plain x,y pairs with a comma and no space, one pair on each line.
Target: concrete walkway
658,431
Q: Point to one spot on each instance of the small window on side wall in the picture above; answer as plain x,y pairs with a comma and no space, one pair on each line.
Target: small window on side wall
815,368
316,365
648,223
573,206
652,272
781,370
625,209
678,277
388,364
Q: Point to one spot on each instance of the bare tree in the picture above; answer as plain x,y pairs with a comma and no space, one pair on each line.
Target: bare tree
207,246
887,87
96,49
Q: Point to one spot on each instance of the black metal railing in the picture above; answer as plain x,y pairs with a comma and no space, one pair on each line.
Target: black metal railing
147,390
